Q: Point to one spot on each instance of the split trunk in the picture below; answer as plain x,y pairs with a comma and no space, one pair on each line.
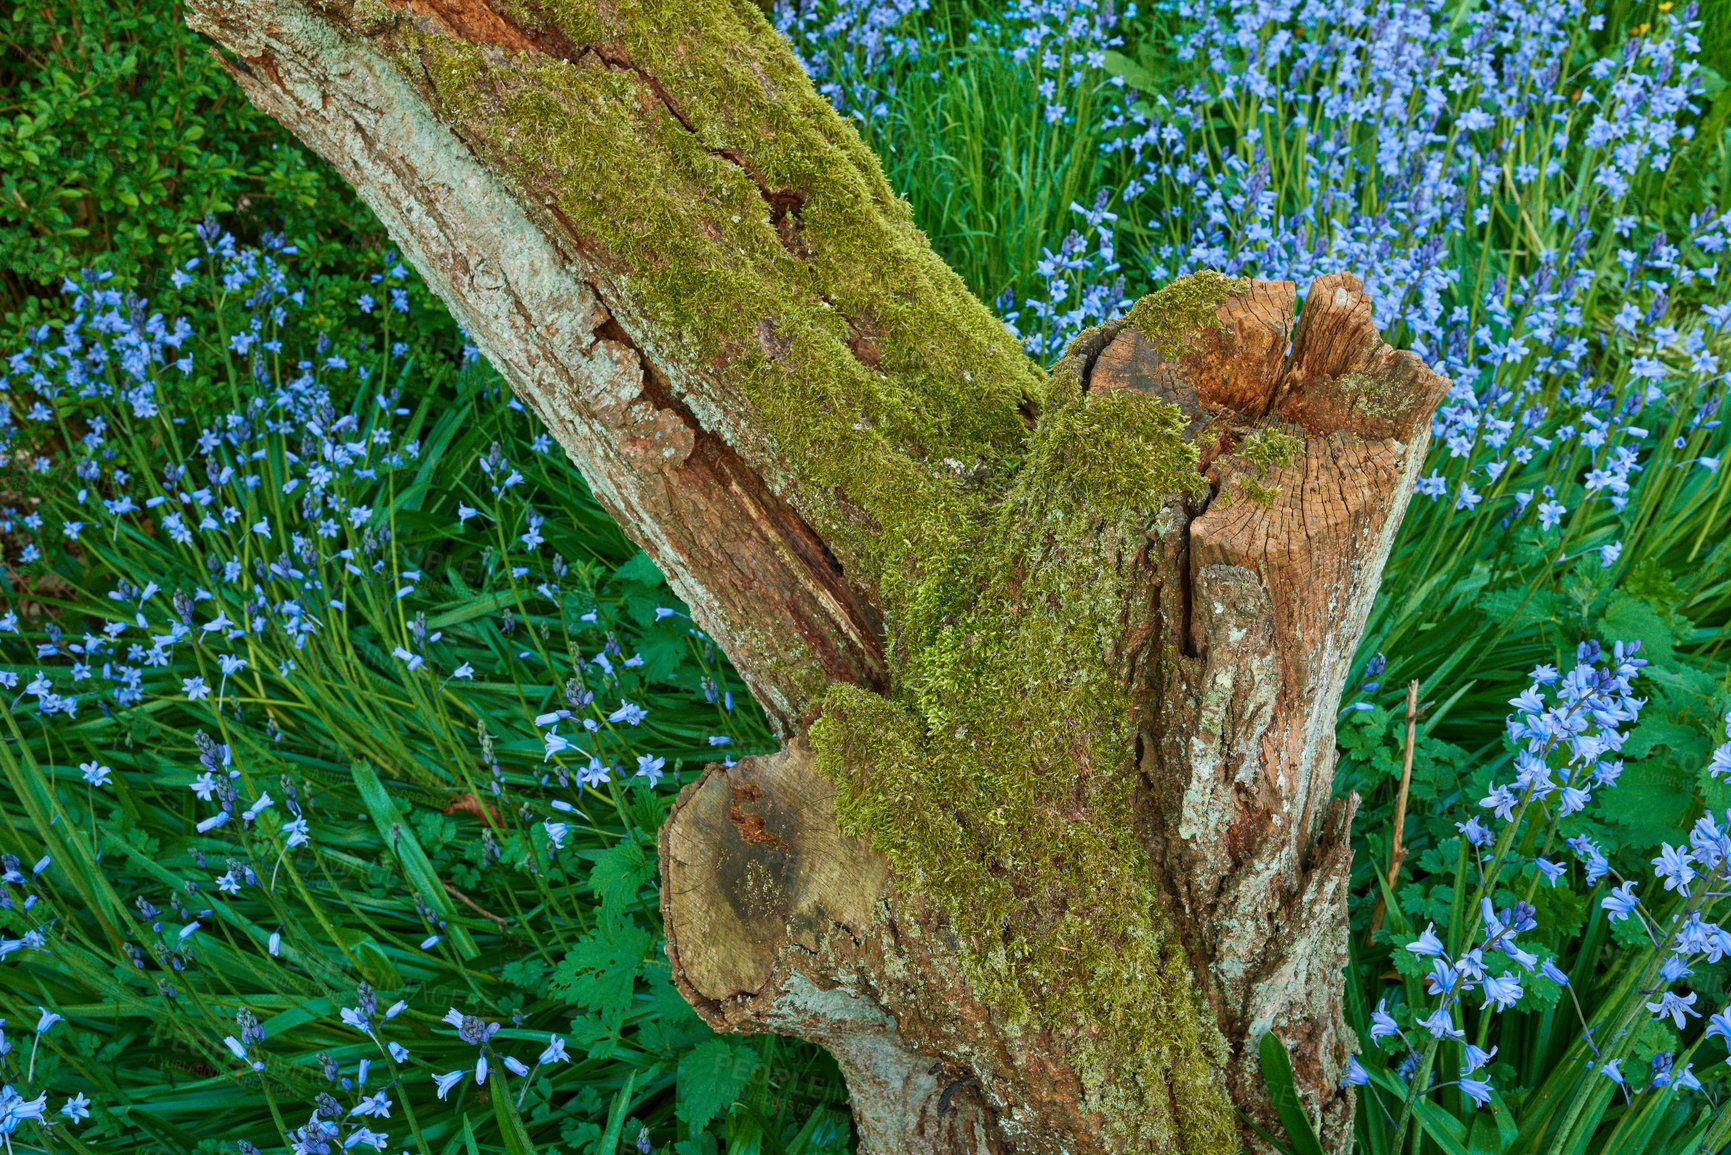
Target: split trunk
1055,656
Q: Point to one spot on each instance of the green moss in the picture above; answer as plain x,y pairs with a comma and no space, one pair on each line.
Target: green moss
997,778
1172,317
999,781
1269,449
1263,495
705,262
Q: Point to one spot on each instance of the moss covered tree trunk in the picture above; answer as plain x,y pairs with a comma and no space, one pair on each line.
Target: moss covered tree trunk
1055,656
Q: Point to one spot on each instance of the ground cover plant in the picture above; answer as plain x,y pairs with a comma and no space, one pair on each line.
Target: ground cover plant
267,560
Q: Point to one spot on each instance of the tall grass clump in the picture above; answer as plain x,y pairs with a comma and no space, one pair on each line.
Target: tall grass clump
338,725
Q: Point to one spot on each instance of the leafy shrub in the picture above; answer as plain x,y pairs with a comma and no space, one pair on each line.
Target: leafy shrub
119,134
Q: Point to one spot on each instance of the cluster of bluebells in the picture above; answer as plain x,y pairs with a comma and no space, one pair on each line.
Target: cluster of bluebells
333,1125
856,49
1076,294
852,47
472,1030
17,1074
1425,137
1422,134
1568,725
256,551
1567,730
282,503
874,35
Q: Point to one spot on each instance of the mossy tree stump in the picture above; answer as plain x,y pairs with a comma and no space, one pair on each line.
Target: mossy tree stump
1055,657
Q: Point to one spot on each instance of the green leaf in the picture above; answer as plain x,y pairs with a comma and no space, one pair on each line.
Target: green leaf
1277,1073
400,837
1651,801
374,963
1633,619
1136,76
616,1117
600,971
517,1141
711,1076
639,570
619,873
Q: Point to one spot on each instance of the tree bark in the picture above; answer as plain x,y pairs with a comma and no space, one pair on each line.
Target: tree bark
1055,657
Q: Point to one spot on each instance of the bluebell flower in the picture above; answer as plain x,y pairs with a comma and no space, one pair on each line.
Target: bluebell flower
375,1106
1382,1024
1476,1058
1442,978
1441,1025
16,1109
594,774
1676,1006
1475,832
1673,867
1478,1090
649,766
555,743
1427,944
1502,991
629,713
1621,902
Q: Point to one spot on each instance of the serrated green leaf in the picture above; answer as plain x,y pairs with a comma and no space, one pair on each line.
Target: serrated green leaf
618,874
711,1076
1136,76
600,971
1652,798
639,570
